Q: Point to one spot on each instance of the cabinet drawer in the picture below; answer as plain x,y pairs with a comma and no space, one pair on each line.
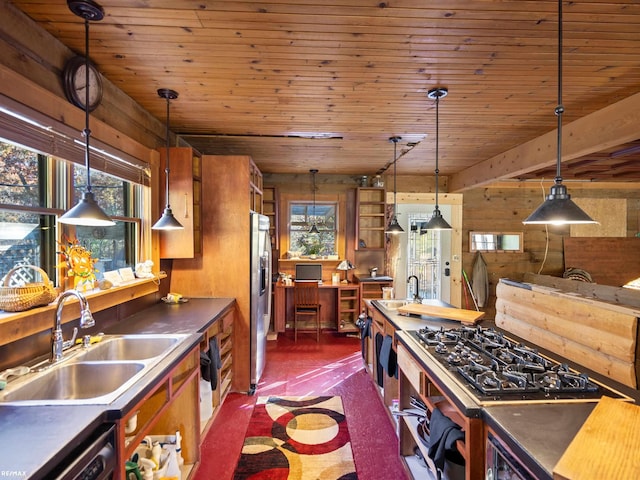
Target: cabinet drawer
410,368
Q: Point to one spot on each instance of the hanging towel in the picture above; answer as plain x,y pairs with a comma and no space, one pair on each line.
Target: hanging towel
205,366
388,357
379,368
443,436
365,332
216,361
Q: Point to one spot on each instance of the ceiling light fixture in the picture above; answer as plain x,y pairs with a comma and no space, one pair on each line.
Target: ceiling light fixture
167,221
437,222
314,228
558,208
86,212
394,226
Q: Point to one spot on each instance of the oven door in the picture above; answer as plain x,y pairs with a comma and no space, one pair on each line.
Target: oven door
501,465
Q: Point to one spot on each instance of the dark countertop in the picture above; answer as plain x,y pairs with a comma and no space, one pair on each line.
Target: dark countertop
538,434
35,439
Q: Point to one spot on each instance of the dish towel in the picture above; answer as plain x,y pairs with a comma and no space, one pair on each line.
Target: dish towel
379,367
365,333
388,357
443,436
210,363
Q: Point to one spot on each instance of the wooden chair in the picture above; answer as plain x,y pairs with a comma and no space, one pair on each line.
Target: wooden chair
306,308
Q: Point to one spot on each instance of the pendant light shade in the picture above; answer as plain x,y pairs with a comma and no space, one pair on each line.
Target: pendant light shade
558,208
437,221
86,212
394,226
167,221
314,228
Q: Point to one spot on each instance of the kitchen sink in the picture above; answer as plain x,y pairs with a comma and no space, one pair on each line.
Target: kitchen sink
97,374
76,382
129,347
392,304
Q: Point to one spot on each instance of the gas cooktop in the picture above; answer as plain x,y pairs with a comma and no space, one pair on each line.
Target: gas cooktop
496,368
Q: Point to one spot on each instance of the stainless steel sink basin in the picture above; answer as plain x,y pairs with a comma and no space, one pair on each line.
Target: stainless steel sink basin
129,347
97,374
75,382
392,304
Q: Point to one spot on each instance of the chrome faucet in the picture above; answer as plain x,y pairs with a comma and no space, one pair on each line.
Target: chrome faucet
58,344
416,294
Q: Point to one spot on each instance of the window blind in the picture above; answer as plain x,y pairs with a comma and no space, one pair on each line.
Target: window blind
33,130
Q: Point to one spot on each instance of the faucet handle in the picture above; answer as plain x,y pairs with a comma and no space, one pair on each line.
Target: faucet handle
69,343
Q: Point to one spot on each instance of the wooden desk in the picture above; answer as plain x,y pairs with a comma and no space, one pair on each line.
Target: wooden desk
340,306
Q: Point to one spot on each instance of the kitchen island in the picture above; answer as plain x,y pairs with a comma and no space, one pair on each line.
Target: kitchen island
35,440
535,434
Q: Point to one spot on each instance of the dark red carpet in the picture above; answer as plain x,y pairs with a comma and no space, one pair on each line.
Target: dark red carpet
333,367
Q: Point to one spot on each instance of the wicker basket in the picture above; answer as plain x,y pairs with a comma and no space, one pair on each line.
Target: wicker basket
24,297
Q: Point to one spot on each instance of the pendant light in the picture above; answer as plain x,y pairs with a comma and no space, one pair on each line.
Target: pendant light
167,221
86,212
394,226
314,228
558,208
437,222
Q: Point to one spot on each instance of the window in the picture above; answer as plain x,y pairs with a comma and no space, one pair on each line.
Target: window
302,215
33,195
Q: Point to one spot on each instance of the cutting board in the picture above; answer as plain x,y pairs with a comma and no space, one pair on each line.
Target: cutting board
606,447
464,316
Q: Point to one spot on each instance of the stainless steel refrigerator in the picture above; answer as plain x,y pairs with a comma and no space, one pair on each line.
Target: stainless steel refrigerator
260,295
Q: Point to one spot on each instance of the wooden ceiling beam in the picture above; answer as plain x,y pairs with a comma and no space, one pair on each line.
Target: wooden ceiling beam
613,125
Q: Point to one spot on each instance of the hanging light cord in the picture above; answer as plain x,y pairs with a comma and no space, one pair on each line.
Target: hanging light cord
166,168
86,132
559,107
395,194
437,171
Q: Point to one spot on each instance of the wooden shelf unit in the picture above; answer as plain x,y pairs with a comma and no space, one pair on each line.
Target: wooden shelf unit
371,218
270,209
372,291
348,307
185,198
255,188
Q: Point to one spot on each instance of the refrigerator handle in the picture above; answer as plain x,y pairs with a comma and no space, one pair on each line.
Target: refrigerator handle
267,270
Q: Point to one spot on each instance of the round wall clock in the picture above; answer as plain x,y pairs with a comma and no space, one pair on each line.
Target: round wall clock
75,83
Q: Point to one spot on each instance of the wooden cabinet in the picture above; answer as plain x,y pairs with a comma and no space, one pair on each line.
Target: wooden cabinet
348,307
223,269
168,407
185,198
255,188
222,332
371,218
372,291
415,381
270,209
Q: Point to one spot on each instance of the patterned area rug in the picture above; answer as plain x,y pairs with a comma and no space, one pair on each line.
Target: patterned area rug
297,438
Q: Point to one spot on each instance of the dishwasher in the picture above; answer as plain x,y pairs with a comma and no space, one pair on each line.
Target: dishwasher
94,459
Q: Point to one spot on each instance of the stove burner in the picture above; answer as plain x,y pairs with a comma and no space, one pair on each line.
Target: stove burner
496,365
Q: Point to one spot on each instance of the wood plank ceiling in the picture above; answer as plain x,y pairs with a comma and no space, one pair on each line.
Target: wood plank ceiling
324,84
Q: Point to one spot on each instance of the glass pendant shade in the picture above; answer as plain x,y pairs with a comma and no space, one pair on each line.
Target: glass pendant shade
167,221
394,225
558,208
87,212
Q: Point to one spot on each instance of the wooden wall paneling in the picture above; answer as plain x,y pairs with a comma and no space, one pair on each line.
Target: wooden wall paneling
601,209
609,261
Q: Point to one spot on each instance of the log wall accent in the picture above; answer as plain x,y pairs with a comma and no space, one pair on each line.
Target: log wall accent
596,335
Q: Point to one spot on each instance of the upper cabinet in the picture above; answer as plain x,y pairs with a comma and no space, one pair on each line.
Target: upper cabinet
371,218
185,198
255,187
